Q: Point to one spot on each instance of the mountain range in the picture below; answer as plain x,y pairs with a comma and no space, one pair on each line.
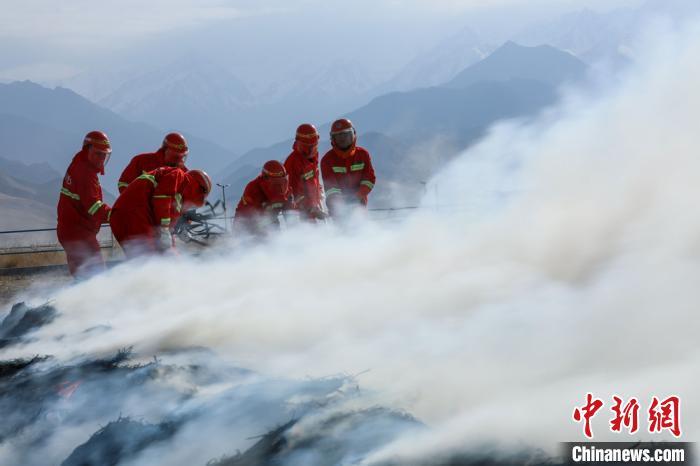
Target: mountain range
41,125
409,134
412,134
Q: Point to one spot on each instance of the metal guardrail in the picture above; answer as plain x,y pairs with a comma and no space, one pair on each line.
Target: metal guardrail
46,245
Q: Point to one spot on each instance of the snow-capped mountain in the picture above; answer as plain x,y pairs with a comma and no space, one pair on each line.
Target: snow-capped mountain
441,63
594,36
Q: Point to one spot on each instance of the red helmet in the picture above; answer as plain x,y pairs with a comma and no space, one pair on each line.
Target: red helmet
99,140
175,150
202,179
175,142
274,181
306,140
307,134
343,136
99,150
198,187
273,169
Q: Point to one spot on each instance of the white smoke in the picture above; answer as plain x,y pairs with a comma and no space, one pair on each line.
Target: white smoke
490,325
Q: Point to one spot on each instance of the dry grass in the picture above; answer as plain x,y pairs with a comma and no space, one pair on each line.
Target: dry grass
32,259
13,287
16,280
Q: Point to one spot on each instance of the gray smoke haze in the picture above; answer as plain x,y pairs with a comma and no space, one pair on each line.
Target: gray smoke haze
572,269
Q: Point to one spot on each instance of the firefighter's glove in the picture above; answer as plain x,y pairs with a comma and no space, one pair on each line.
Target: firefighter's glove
317,214
164,240
362,198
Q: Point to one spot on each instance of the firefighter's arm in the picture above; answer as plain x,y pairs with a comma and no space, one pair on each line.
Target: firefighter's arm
330,182
167,200
296,185
91,199
249,205
130,173
368,179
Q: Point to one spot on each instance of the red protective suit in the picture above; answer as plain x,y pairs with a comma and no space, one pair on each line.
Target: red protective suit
348,177
304,182
80,213
140,164
257,209
151,201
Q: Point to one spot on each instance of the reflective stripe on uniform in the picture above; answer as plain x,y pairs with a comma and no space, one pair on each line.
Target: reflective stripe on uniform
95,207
308,175
340,170
64,191
122,184
300,198
333,191
146,176
178,201
165,221
275,205
357,167
162,196
369,184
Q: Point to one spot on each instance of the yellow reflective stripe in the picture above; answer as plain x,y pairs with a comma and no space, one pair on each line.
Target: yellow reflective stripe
300,198
178,201
369,184
333,191
308,175
165,221
357,167
340,170
146,176
109,215
65,192
122,184
95,207
275,205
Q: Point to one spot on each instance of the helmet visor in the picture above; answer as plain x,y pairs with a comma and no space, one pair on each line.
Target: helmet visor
343,139
98,157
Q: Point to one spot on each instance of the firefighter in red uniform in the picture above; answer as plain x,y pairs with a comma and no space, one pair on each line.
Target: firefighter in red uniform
302,170
80,206
348,176
144,213
172,153
263,199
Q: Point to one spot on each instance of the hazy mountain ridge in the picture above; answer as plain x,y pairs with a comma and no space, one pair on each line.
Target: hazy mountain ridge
412,134
213,103
48,125
440,64
606,36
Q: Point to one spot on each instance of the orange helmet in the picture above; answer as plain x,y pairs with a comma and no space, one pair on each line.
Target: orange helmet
198,187
99,140
176,149
343,135
274,181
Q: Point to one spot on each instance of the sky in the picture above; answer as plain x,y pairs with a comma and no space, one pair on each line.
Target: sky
44,40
